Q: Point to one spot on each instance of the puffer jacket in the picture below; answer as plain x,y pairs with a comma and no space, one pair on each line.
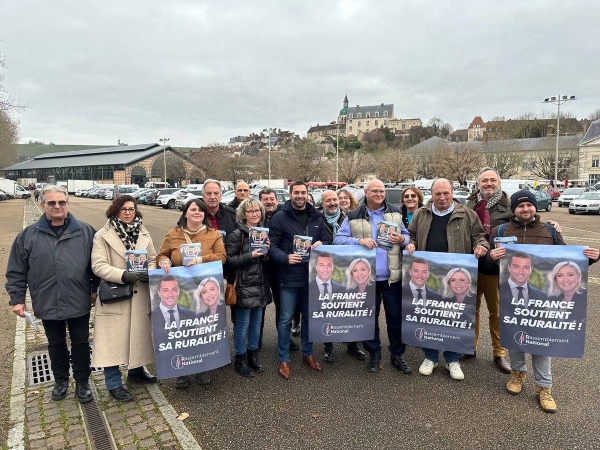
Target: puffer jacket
57,270
252,286
464,231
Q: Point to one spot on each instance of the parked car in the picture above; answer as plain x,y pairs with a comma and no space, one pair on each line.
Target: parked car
543,199
588,202
4,195
141,191
554,193
186,196
568,195
109,195
167,199
150,197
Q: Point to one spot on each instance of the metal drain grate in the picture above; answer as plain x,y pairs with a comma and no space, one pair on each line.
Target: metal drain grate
40,371
97,428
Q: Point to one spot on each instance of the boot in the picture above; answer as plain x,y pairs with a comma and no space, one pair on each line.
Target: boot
253,361
516,382
547,402
241,366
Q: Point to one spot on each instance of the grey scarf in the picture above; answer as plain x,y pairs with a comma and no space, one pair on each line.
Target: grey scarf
333,220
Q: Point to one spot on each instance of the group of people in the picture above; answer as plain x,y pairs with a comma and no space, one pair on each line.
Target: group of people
62,260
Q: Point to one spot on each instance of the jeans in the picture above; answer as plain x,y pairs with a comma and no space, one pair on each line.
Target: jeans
79,331
487,285
112,376
247,326
391,294
289,298
433,354
541,367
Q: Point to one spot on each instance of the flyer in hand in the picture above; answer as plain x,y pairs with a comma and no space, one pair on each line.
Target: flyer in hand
137,260
189,252
302,246
258,239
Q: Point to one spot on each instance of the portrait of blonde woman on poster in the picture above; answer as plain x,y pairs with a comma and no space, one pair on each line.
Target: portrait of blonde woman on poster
457,286
359,276
209,297
565,283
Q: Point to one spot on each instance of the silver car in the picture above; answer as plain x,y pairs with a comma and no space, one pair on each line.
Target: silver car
586,202
569,195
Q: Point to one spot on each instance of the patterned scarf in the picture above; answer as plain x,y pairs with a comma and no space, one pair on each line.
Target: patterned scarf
127,232
333,220
482,208
495,198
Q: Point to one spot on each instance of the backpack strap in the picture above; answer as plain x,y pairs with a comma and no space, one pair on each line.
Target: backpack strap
552,232
502,229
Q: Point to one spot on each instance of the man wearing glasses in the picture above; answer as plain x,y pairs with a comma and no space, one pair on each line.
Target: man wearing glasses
53,258
242,192
360,228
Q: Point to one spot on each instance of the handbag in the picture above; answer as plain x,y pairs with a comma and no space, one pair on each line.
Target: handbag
114,292
230,292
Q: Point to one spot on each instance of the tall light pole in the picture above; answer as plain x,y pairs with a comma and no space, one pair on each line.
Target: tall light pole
337,153
558,101
269,175
164,143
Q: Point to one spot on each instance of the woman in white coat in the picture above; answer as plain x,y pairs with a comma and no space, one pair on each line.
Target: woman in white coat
122,330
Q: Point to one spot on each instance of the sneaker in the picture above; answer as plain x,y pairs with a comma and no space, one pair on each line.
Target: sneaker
547,402
456,372
516,382
427,367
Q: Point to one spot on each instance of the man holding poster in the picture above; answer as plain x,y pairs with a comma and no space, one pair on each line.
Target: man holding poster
519,300
429,231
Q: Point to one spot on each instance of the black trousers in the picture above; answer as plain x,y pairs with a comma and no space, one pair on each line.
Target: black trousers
79,331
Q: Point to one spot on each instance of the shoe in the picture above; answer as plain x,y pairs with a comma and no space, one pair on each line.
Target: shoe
516,382
312,363
253,361
295,329
60,390
142,376
182,383
456,372
466,356
374,363
284,370
120,394
547,402
328,355
427,367
293,346
400,363
356,352
502,364
83,391
241,366
202,378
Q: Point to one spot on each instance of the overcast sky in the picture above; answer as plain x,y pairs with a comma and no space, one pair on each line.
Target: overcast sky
199,72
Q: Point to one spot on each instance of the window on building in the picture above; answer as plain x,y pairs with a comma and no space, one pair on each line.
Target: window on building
595,161
351,115
376,113
358,115
377,123
350,128
367,123
385,114
404,126
368,114
594,178
359,124
385,122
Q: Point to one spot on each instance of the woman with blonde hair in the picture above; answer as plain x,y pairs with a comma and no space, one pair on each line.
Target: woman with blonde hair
565,283
359,276
346,200
457,285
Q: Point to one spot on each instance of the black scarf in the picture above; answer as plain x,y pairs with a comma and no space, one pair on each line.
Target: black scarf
127,232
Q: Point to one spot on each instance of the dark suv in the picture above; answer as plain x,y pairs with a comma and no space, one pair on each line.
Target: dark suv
392,196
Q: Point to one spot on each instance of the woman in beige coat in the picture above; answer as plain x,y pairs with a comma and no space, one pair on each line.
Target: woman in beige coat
122,330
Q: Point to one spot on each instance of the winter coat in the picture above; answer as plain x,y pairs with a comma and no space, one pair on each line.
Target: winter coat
283,227
252,286
213,248
122,330
464,231
56,270
226,218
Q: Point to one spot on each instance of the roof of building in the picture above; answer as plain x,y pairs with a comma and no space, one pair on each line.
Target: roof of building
372,110
322,128
477,121
592,132
122,155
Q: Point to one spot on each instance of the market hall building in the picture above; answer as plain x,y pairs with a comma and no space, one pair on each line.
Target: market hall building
130,164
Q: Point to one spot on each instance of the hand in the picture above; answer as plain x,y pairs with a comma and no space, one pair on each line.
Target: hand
480,251
256,253
165,264
497,253
555,225
410,248
592,253
367,242
267,244
132,277
93,296
19,309
316,244
196,260
396,238
294,259
143,277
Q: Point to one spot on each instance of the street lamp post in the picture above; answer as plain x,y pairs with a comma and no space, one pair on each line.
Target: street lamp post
558,101
337,154
269,174
164,143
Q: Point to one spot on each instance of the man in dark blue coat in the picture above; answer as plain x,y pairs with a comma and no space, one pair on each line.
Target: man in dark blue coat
297,217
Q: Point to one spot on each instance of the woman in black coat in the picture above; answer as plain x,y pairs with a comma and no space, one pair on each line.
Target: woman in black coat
249,266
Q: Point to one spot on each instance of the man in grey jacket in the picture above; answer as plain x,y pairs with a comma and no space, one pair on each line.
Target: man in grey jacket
52,258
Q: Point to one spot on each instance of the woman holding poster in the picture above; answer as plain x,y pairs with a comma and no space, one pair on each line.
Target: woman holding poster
192,228
359,276
565,283
122,330
249,267
457,286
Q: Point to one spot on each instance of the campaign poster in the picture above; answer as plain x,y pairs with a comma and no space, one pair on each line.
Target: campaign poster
189,319
439,296
341,294
543,299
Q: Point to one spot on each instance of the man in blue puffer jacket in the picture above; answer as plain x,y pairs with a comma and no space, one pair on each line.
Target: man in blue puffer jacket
297,217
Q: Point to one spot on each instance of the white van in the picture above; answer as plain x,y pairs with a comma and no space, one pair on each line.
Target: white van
194,187
512,186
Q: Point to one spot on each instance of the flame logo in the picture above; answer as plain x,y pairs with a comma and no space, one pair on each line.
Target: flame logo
520,338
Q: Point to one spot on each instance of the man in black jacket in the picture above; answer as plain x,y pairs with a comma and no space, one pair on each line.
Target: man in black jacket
220,216
53,258
297,217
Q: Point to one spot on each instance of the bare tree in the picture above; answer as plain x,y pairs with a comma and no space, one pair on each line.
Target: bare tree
303,161
423,167
595,115
354,164
504,161
9,126
458,161
395,166
542,165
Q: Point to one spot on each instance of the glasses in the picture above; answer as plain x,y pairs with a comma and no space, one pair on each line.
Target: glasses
127,210
243,190
254,211
61,203
377,191
410,196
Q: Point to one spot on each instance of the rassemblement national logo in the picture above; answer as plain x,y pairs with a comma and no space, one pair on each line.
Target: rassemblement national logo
176,362
420,333
520,337
326,329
